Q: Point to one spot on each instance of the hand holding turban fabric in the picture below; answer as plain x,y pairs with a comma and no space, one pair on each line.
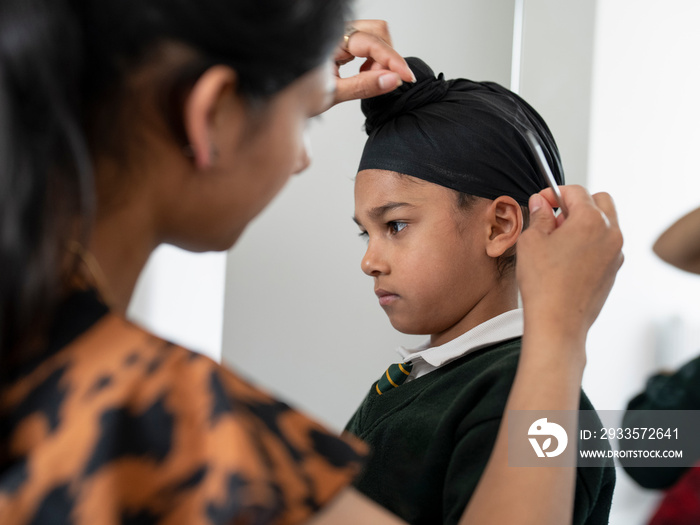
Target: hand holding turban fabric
464,135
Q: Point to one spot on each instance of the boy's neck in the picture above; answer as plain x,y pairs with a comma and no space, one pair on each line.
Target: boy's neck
502,298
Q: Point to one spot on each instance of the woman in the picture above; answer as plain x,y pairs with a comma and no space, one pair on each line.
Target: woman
184,119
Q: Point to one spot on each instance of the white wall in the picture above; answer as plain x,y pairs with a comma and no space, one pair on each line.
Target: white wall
644,151
555,74
180,297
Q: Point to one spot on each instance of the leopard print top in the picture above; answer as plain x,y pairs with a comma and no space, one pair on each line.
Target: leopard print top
113,425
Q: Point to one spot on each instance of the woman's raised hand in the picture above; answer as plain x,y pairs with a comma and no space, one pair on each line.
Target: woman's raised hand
566,267
383,71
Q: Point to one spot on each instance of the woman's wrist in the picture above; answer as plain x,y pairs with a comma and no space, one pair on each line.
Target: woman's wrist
556,324
551,341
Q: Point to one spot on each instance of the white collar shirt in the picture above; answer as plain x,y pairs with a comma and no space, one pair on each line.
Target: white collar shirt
426,359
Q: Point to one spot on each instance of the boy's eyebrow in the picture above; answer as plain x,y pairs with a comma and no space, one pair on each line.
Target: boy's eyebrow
378,212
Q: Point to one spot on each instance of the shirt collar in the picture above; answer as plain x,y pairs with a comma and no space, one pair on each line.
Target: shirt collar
503,327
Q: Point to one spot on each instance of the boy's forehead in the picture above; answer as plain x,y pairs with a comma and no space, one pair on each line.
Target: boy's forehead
384,189
380,183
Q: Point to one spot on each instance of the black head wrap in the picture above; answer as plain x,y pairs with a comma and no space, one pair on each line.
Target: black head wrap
461,134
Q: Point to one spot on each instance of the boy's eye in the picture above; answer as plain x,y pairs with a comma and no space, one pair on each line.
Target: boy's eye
396,226
364,234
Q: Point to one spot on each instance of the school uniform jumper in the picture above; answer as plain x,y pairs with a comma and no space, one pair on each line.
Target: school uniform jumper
432,436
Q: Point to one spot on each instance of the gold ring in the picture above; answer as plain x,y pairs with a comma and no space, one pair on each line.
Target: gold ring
349,31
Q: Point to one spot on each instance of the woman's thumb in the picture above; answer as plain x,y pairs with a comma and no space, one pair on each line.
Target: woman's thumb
541,214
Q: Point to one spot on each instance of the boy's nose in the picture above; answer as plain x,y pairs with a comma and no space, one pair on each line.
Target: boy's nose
373,263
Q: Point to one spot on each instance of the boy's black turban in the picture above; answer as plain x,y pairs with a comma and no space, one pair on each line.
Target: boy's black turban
465,135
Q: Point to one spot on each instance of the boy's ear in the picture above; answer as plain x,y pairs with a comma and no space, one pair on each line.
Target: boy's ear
506,224
207,110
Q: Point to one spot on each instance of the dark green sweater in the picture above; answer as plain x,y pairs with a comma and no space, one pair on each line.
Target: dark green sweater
432,437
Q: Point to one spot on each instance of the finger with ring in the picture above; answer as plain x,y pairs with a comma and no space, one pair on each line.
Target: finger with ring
349,31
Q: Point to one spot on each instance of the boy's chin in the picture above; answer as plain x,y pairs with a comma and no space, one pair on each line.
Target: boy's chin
405,326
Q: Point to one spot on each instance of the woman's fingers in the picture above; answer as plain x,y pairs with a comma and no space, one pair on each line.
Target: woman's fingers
605,202
366,85
378,28
541,214
384,70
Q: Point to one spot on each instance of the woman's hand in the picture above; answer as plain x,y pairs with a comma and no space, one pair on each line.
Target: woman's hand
566,267
383,71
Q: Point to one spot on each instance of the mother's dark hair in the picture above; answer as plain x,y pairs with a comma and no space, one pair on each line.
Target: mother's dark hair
63,61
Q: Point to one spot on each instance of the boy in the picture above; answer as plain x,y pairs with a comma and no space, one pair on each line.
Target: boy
441,195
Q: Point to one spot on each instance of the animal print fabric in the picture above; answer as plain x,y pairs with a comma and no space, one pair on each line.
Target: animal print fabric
121,427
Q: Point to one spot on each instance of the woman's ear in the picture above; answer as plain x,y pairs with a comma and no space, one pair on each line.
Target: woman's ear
206,108
506,223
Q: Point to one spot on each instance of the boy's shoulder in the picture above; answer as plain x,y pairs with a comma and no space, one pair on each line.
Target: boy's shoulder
477,385
493,368
502,355
492,365
481,377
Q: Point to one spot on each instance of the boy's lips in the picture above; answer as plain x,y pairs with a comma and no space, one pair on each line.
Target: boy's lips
385,298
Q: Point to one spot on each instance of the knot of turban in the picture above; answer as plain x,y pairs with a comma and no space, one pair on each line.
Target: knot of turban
464,135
